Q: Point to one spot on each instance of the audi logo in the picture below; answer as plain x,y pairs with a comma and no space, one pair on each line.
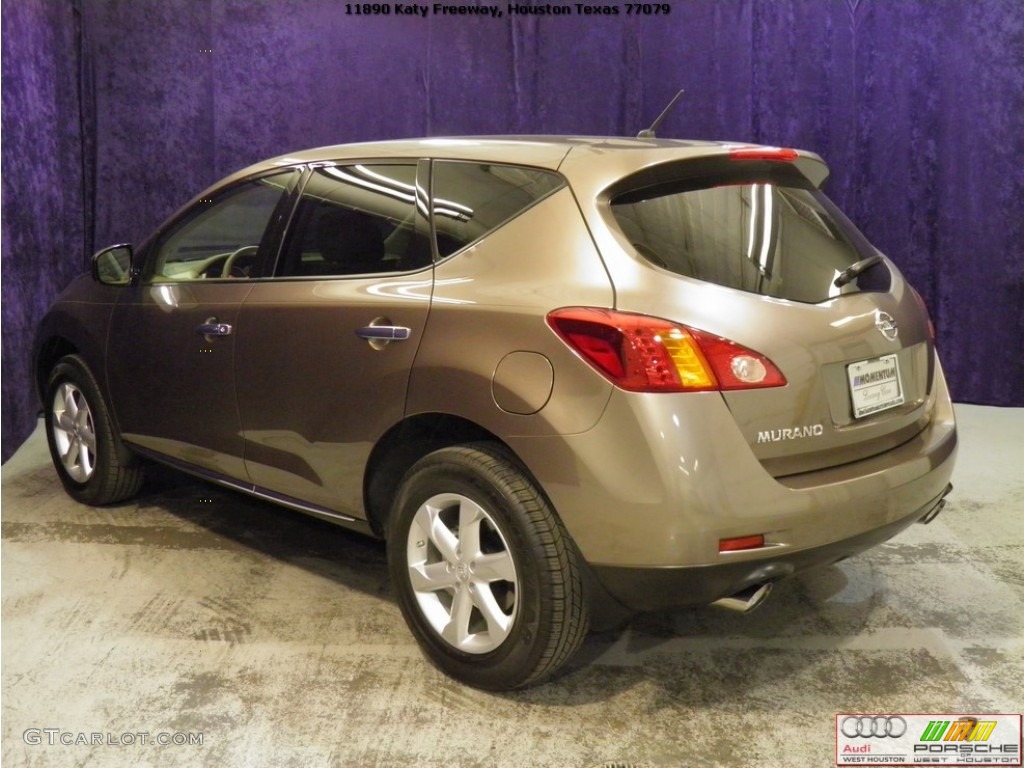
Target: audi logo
873,726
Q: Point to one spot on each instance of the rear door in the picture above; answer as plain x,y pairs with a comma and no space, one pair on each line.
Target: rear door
326,347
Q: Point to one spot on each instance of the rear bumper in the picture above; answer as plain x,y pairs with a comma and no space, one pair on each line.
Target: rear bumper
647,589
648,493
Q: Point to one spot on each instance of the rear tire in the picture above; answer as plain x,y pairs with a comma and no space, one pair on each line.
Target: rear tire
91,461
487,578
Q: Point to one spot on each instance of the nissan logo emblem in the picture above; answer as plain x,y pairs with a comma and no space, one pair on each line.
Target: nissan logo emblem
886,324
873,726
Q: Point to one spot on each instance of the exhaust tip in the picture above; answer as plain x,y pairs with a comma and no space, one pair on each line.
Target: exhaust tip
932,513
747,599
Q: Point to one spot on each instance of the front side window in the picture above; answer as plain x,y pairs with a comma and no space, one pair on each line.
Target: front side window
228,236
470,200
767,236
356,219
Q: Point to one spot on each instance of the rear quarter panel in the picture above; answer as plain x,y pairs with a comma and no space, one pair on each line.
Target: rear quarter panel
491,299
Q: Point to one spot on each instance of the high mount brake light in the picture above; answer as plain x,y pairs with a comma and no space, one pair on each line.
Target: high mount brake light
647,354
778,154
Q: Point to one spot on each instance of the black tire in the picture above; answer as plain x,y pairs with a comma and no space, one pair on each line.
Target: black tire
93,464
522,568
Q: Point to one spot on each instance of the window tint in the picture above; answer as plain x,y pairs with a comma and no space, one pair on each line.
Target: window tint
353,220
471,200
768,238
225,237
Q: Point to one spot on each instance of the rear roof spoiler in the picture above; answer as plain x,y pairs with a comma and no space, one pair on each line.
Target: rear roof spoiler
808,163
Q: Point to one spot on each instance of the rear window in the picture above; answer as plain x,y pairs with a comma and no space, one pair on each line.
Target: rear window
764,235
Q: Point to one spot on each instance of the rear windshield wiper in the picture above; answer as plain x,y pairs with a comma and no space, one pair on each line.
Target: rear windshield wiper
856,269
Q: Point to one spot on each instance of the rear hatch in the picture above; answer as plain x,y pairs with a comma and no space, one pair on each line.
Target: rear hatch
745,246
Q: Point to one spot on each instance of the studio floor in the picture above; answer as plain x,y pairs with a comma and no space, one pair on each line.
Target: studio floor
199,614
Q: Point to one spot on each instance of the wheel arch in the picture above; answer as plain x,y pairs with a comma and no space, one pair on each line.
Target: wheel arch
79,328
405,444
47,353
413,438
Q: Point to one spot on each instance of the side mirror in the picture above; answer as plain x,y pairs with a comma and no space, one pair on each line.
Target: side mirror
113,265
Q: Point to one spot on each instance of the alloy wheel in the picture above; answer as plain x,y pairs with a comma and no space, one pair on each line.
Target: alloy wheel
462,573
73,432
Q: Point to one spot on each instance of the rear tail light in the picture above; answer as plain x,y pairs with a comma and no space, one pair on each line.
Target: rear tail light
647,354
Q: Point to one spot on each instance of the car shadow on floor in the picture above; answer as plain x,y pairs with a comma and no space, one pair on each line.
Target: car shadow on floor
716,655
264,527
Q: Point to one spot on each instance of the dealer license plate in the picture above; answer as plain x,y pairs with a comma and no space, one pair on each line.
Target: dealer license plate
875,385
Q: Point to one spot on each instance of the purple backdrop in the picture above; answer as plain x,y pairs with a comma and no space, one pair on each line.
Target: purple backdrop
44,222
918,106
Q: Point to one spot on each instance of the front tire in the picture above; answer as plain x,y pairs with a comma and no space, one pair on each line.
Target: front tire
91,461
487,578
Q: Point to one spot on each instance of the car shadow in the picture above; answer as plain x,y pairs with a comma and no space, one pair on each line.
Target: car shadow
704,654
269,529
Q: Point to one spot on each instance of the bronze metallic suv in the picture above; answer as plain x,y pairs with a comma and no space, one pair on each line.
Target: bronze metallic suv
565,378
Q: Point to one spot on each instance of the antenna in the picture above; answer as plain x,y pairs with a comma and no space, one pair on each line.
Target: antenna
649,132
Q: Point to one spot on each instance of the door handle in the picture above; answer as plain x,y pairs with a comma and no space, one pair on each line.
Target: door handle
384,333
212,328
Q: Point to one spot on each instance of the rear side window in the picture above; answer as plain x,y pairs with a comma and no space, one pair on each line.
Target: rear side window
355,220
763,236
471,200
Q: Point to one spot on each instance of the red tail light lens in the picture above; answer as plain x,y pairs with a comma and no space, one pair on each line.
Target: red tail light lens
647,354
777,154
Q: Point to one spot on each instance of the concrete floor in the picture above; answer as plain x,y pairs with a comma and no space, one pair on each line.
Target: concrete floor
277,638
